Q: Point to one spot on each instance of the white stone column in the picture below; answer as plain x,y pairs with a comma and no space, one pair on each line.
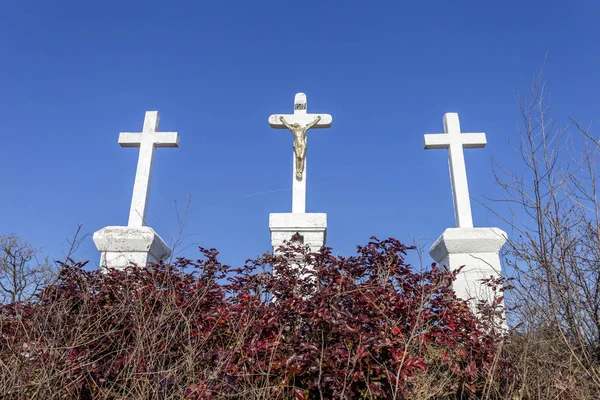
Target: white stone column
122,246
477,249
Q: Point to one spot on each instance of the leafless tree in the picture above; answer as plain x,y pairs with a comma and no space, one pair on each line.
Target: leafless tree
178,240
554,244
22,272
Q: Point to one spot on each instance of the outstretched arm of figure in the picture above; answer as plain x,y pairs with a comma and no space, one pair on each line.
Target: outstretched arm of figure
285,122
316,121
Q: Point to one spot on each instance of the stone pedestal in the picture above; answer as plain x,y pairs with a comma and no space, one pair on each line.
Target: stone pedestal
475,248
312,227
122,246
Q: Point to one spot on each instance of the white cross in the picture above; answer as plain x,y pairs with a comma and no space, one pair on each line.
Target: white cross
301,117
454,141
148,140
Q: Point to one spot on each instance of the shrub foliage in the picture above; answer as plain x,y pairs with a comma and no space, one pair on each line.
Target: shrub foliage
366,326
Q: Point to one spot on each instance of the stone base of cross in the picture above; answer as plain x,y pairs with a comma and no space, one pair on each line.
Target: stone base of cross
311,229
122,246
477,249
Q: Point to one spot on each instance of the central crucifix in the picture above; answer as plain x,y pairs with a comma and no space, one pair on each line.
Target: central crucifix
309,229
299,123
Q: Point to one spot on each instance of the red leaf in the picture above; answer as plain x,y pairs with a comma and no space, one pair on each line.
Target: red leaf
299,394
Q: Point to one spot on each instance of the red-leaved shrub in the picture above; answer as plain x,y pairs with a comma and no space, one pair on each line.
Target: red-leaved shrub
367,326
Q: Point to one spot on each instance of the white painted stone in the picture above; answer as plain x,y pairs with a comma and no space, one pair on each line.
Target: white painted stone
312,227
475,248
147,140
301,117
122,246
454,141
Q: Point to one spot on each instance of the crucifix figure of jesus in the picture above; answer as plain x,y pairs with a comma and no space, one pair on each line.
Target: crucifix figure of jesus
299,132
455,141
299,123
147,140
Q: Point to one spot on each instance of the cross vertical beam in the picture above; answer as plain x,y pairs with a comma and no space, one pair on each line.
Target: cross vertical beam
147,140
455,142
298,190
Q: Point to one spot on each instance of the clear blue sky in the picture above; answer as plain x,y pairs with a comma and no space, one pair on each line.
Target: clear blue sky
76,73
